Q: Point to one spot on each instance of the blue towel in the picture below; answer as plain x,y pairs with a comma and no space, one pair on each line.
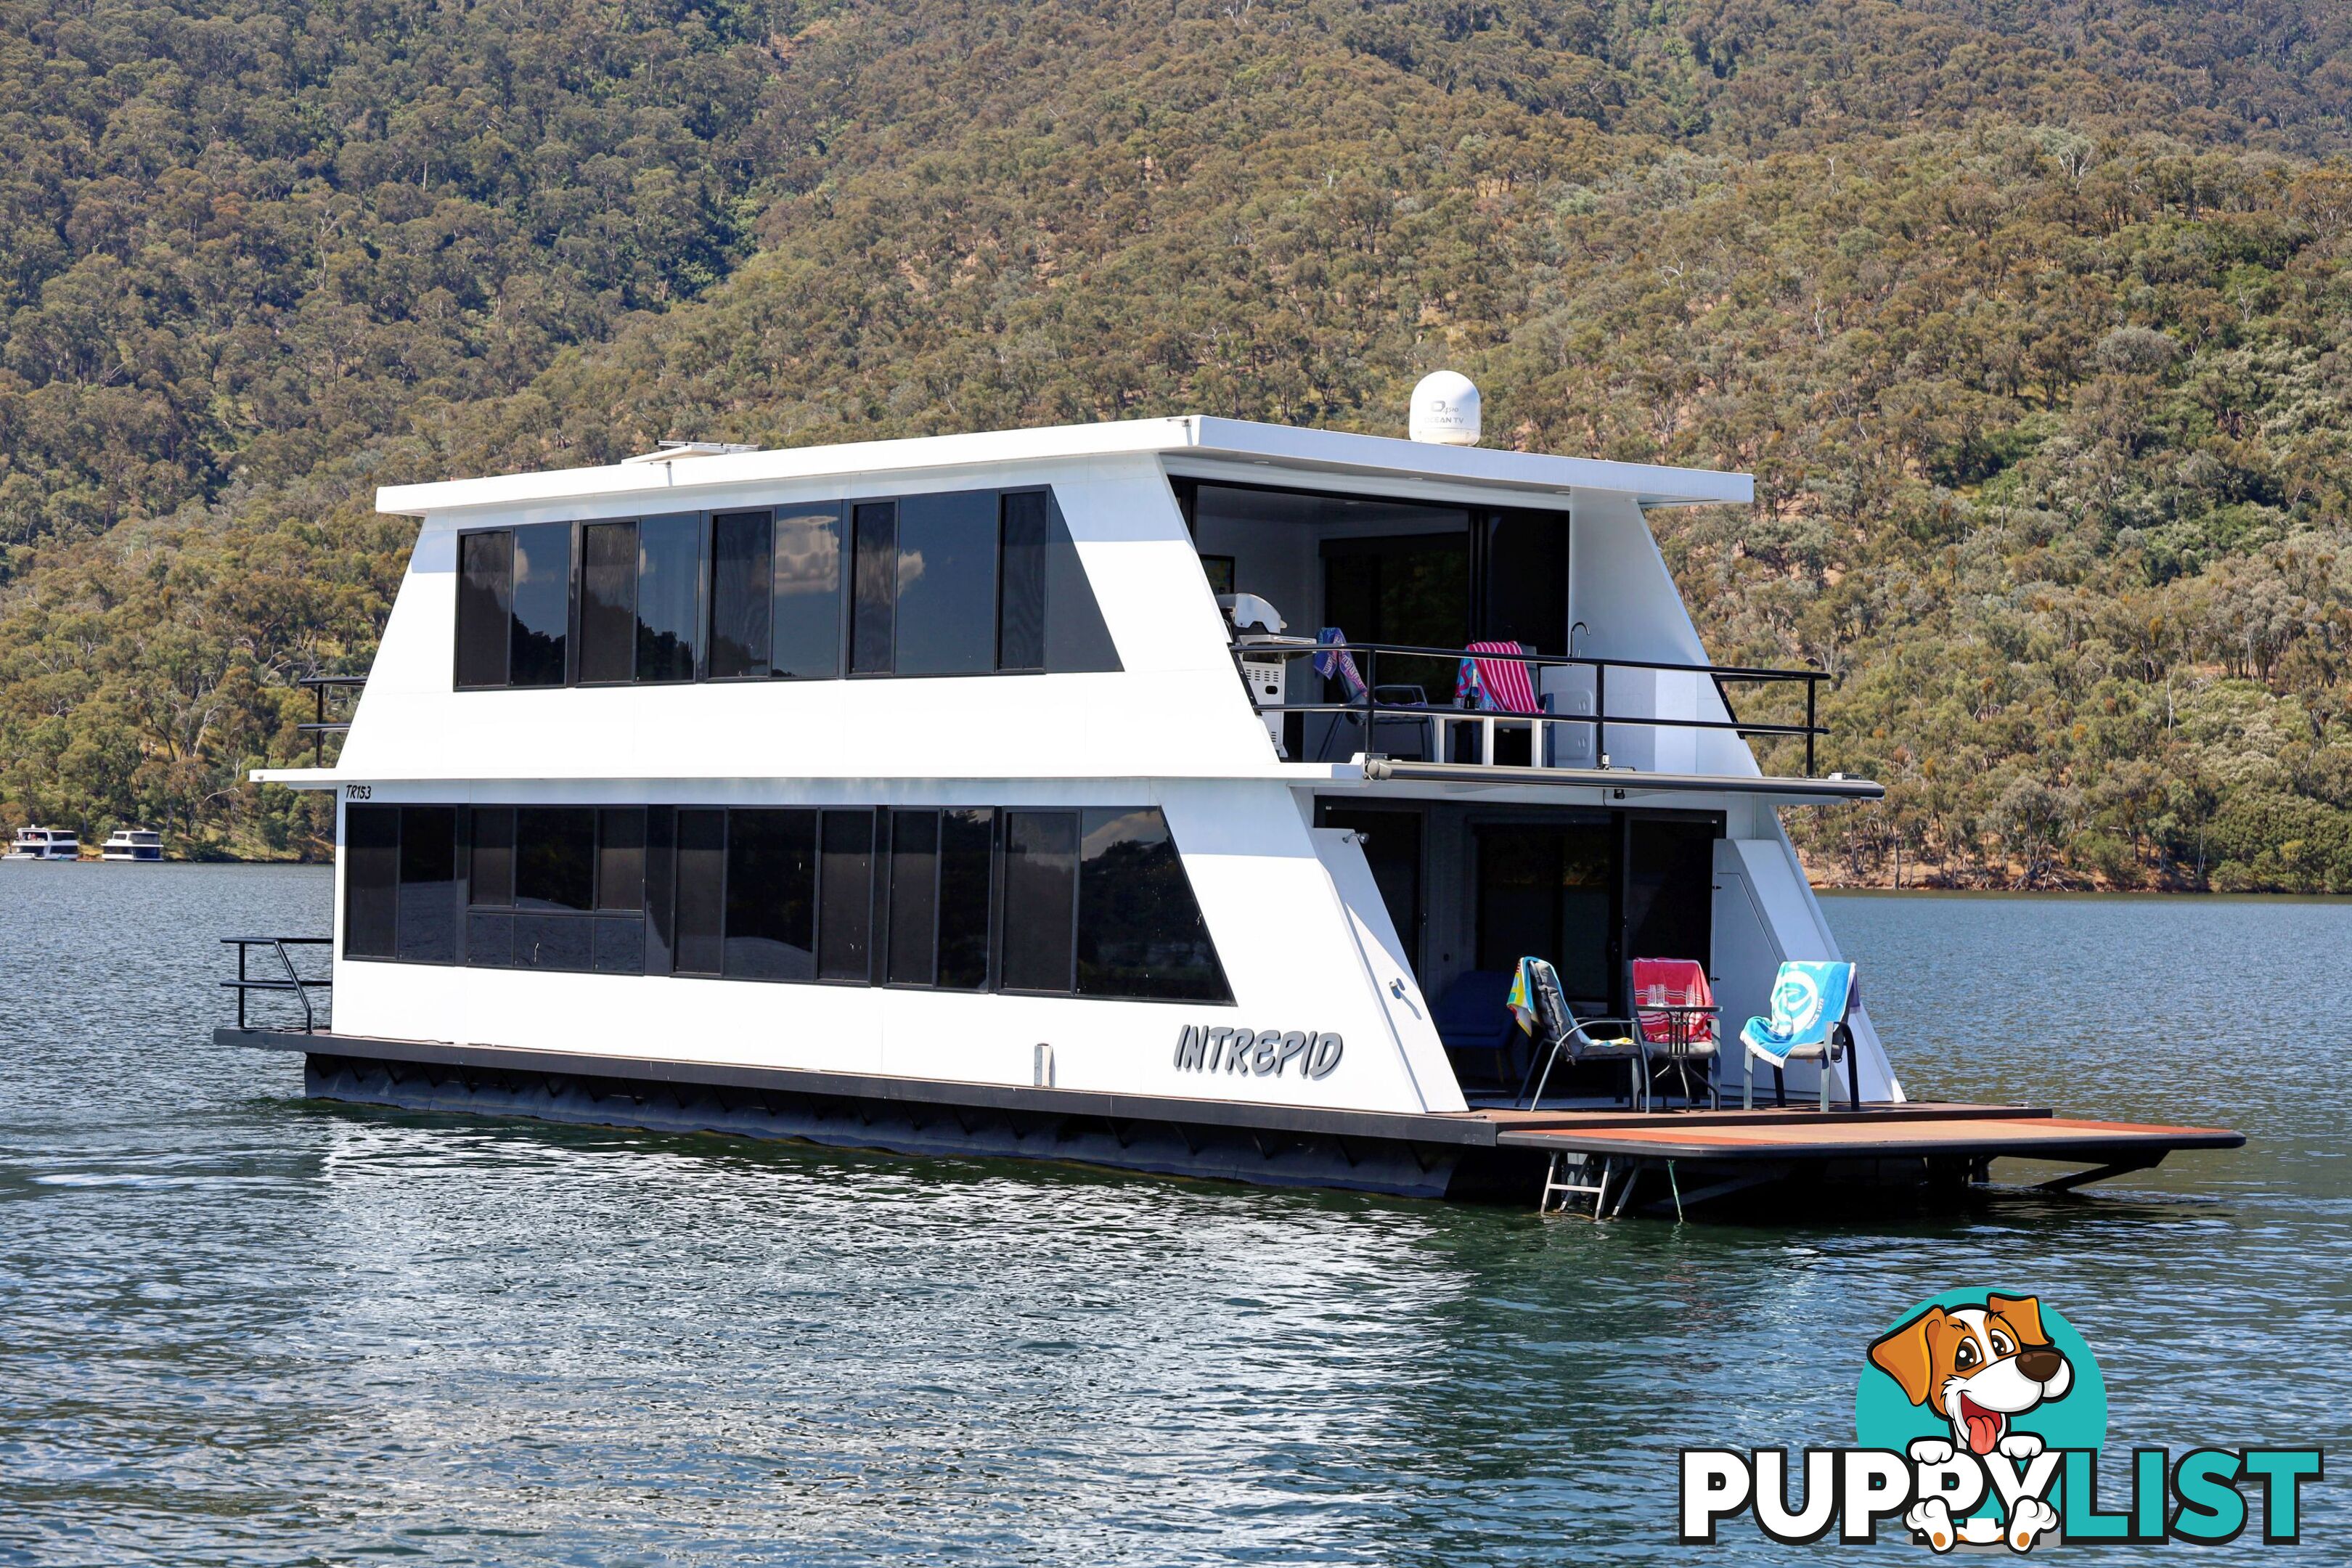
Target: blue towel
1809,999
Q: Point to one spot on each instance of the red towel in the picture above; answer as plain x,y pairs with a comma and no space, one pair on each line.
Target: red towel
1505,680
1674,982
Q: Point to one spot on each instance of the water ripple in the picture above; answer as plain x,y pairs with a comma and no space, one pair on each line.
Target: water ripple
243,1328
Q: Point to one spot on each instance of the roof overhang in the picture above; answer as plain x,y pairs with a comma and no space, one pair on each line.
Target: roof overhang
1280,446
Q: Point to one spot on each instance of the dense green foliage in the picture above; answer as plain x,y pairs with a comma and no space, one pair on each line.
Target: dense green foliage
2029,321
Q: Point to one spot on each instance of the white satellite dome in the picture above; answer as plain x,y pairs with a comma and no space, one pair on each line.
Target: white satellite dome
1446,409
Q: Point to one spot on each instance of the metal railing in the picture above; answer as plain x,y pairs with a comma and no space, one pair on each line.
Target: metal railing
319,684
294,980
1368,709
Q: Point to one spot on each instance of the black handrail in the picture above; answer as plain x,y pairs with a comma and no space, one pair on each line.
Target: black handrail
318,731
293,981
1367,708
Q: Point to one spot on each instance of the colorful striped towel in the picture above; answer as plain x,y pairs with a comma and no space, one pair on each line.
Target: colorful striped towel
1522,995
1503,683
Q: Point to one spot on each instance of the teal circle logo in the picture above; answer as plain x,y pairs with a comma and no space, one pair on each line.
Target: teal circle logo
1974,1367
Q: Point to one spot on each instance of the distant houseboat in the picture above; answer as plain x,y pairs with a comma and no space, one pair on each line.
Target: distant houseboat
38,843
974,794
132,843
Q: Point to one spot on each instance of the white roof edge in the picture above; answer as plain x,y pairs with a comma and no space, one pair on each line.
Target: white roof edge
1279,444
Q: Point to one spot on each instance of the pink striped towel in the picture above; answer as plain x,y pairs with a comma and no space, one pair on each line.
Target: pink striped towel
1504,681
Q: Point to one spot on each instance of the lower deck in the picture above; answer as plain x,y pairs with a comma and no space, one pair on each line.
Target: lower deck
1694,1157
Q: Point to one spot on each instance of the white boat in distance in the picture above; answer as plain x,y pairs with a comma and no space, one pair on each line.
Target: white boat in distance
132,843
38,843
921,795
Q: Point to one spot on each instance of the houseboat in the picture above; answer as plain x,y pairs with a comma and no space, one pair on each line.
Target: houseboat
132,843
1148,794
38,843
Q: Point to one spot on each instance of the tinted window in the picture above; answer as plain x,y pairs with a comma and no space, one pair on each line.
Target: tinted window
542,604
1040,902
371,881
741,546
1140,929
947,585
966,846
914,896
1021,583
669,597
608,601
772,895
661,887
621,859
1525,579
876,593
490,880
808,594
620,944
490,938
701,905
485,607
1076,637
846,923
555,858
428,884
553,941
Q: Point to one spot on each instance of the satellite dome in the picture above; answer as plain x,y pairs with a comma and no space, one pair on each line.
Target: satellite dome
1445,410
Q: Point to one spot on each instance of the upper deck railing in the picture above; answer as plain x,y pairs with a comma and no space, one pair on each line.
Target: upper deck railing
319,684
1370,709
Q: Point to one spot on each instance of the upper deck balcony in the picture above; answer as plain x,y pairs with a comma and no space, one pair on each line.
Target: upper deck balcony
1524,716
815,614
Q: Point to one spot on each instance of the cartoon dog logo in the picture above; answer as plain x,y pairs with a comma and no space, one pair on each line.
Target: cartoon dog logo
1979,1368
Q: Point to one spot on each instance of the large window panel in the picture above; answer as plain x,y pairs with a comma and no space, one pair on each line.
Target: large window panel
429,885
914,897
555,858
485,607
808,595
661,888
542,604
370,881
1141,932
947,583
874,592
770,895
846,921
1040,899
489,881
608,602
742,593
620,858
1027,533
669,597
702,898
967,846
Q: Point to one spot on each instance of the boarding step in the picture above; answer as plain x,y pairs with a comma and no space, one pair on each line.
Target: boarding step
1572,1173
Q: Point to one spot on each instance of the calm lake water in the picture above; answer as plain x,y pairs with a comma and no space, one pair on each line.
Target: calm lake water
239,1328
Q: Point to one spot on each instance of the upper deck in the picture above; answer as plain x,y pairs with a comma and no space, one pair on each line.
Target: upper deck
1080,566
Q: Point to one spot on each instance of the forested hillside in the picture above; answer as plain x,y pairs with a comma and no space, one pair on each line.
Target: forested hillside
2030,319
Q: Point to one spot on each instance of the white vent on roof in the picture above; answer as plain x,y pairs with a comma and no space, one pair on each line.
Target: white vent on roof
1445,410
676,451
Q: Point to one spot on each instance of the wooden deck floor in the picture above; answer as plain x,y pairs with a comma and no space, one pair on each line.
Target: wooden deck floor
1881,1132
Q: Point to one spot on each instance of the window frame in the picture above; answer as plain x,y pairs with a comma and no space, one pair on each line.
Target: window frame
656,920
1050,566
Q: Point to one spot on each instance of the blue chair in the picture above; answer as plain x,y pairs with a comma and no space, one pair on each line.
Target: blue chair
1474,1016
1811,1002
